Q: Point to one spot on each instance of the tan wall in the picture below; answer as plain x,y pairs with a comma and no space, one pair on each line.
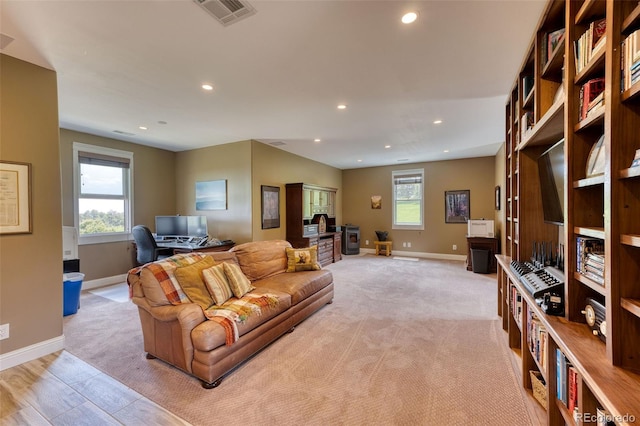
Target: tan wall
275,167
501,181
231,162
475,174
153,194
31,264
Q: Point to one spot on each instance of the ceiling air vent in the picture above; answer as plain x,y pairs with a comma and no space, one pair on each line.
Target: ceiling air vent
277,143
227,11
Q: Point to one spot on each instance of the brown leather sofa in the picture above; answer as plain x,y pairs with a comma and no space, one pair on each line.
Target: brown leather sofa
181,334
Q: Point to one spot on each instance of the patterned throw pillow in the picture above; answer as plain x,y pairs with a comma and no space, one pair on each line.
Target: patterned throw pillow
217,283
239,283
190,279
302,259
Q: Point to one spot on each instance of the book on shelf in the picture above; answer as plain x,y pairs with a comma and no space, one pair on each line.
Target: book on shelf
630,58
550,43
572,389
538,339
590,43
590,97
584,246
527,85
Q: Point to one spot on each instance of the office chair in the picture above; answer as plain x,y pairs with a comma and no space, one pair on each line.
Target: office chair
146,248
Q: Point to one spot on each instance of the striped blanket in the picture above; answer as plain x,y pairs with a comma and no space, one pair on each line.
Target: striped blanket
228,315
235,311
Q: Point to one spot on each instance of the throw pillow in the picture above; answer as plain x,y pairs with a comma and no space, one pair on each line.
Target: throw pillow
302,259
190,279
217,283
239,283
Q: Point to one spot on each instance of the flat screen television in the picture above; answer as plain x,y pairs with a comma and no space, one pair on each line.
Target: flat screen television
551,172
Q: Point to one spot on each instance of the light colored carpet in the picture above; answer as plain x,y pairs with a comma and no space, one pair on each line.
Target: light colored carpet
404,343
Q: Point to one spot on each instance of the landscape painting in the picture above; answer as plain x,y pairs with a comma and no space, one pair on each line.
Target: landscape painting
211,195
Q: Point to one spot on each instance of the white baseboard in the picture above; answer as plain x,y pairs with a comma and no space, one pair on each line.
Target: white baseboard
103,282
29,353
422,255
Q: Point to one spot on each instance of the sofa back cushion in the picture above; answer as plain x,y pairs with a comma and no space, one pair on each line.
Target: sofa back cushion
262,259
190,279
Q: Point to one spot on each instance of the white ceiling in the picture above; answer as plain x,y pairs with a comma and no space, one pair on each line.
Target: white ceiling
279,75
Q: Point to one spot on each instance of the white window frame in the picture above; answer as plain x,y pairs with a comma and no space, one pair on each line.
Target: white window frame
400,173
128,194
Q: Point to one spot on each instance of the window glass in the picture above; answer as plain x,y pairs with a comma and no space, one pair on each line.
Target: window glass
408,199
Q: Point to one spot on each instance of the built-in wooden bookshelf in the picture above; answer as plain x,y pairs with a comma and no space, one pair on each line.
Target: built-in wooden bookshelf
546,105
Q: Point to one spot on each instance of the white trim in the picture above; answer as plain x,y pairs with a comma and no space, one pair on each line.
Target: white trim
103,282
31,352
401,226
423,255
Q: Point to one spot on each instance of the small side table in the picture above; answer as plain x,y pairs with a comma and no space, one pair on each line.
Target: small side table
383,246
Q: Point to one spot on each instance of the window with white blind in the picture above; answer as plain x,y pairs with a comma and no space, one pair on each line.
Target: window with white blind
103,182
408,195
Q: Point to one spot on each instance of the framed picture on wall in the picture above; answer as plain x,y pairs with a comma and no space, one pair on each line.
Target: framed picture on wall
211,195
497,197
456,206
15,198
270,207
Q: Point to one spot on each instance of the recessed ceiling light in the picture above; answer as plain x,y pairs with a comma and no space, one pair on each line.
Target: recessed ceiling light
207,87
142,128
437,122
410,17
387,146
403,159
316,140
342,106
359,161
162,122
446,150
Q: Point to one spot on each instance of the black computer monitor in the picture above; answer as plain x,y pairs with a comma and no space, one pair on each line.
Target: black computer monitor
171,226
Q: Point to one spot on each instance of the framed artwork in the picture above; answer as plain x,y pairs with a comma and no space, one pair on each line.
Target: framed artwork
497,195
270,207
211,195
456,206
15,198
376,202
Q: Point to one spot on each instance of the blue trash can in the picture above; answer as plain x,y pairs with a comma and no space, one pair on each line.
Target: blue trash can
71,292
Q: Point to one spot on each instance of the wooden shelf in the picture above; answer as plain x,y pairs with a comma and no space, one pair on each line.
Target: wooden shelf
631,305
589,232
631,22
590,10
549,129
588,182
632,240
632,172
593,68
596,117
553,68
598,288
631,93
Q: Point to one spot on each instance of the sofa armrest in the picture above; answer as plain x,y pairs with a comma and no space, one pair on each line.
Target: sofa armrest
187,315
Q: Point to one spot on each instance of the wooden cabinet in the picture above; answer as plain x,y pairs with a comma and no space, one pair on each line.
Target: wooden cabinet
309,205
548,103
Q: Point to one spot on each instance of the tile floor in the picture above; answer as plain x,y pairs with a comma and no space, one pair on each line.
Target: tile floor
61,389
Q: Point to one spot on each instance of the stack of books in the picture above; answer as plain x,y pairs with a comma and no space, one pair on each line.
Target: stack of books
591,97
631,60
590,43
538,339
590,258
567,382
550,43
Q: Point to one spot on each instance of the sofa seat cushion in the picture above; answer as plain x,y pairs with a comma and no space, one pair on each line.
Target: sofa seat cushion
210,334
299,285
262,259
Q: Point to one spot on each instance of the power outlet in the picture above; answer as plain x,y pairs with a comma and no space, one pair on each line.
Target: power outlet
366,242
404,244
455,247
409,244
4,331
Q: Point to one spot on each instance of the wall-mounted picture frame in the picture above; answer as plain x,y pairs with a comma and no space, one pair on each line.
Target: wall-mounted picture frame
211,195
497,195
15,198
270,206
376,202
456,206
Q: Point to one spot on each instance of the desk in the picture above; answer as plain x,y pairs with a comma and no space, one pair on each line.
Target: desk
188,248
385,246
